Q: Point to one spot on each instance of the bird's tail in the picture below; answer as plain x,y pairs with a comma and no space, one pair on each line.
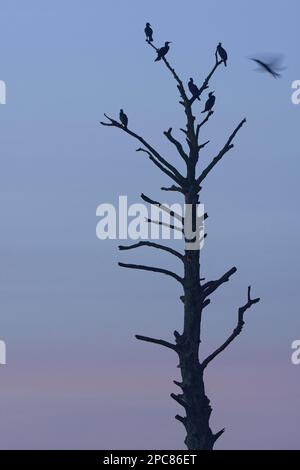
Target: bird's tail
225,63
203,111
150,38
157,58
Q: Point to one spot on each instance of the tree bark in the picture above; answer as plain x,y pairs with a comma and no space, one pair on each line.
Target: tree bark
197,406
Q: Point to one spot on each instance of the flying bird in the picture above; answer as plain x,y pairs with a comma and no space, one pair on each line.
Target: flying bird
149,32
194,89
163,51
123,118
269,65
210,102
222,53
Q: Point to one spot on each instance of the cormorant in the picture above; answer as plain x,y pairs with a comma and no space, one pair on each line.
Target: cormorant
210,102
222,53
194,89
149,32
163,51
123,118
270,65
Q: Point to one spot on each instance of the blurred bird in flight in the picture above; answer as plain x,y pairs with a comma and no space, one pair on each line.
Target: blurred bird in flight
269,64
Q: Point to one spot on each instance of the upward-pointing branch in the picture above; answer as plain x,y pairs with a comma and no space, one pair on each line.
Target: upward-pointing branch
187,104
220,155
204,86
180,85
236,331
203,122
211,286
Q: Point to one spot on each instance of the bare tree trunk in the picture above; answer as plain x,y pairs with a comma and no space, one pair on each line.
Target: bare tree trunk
193,398
196,295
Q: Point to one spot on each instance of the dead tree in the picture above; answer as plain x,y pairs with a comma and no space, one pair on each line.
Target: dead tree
196,293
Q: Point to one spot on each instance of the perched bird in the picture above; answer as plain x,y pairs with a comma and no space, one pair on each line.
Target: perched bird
270,65
194,89
222,53
123,118
149,32
210,102
163,51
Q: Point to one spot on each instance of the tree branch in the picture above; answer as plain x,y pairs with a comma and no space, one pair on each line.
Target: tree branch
177,144
173,188
180,85
164,224
201,124
161,342
224,150
167,172
236,331
114,123
179,399
181,419
186,102
218,434
211,286
201,146
161,167
153,269
153,245
162,207
209,76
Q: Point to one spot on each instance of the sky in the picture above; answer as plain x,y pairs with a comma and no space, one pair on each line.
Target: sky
75,376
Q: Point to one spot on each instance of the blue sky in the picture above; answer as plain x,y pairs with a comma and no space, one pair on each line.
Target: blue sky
75,377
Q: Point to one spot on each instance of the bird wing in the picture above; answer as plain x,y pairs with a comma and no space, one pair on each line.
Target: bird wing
224,54
257,61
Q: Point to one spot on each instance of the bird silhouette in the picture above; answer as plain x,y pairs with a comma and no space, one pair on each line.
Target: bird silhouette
210,102
123,118
149,32
270,64
163,51
222,53
194,89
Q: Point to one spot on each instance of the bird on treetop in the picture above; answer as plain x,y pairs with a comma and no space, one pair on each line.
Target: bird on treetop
194,89
163,51
123,118
149,32
222,53
210,102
